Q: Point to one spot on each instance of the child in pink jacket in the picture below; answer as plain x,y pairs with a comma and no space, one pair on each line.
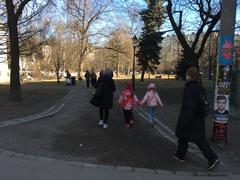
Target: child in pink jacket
152,98
128,99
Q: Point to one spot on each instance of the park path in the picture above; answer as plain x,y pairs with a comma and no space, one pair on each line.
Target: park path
73,135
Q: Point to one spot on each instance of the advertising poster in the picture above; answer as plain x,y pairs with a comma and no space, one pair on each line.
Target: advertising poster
224,79
226,49
221,108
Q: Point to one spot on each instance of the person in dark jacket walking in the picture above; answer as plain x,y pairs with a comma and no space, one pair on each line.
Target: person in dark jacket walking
87,77
105,87
191,125
93,77
68,78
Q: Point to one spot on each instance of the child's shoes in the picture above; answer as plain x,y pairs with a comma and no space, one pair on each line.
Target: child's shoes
127,125
152,124
131,123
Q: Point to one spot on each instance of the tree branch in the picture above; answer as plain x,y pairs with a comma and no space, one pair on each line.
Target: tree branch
20,8
177,30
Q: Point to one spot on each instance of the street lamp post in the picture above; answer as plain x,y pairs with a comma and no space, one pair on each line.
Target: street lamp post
135,41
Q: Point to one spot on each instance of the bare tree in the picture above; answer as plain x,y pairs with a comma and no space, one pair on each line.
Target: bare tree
127,14
205,15
56,57
70,54
169,54
17,16
119,50
84,15
58,50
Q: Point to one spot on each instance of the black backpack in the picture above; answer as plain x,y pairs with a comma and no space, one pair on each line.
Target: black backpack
203,103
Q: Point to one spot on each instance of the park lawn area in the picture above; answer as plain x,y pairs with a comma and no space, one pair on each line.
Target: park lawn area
169,89
36,97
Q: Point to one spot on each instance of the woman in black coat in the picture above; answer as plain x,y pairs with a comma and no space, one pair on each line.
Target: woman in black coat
191,125
105,87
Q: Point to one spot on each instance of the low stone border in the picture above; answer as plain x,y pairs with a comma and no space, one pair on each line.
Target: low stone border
50,112
110,167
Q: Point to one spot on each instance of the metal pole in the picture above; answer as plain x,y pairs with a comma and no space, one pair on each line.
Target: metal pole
224,70
133,69
209,58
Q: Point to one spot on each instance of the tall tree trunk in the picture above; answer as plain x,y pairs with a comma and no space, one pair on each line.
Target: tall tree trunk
191,57
81,59
58,77
57,72
15,86
118,66
79,70
80,67
142,75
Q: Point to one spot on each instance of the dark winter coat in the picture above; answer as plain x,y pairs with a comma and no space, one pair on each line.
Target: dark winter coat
87,76
104,89
190,124
93,77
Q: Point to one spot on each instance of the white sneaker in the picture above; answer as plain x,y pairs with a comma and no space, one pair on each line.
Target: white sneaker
100,123
105,126
213,165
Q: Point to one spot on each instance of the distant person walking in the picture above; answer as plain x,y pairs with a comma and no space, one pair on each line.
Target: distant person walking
128,99
100,77
87,77
100,74
152,98
105,87
191,124
93,77
68,78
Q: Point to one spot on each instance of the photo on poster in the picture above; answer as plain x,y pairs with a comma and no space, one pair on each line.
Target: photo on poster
221,108
225,52
225,73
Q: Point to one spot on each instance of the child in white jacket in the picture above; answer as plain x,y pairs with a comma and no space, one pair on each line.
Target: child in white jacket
152,98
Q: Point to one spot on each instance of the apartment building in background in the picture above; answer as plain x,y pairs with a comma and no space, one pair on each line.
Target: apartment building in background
4,70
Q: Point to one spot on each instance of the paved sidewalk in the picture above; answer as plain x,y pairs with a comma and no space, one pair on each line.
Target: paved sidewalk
37,166
22,167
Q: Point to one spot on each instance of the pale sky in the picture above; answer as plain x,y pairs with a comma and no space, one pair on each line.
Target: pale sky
113,19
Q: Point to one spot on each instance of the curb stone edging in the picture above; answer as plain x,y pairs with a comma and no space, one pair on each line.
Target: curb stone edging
50,112
109,167
82,164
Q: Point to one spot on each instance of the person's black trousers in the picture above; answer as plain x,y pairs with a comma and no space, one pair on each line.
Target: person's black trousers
202,145
87,81
128,115
103,113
